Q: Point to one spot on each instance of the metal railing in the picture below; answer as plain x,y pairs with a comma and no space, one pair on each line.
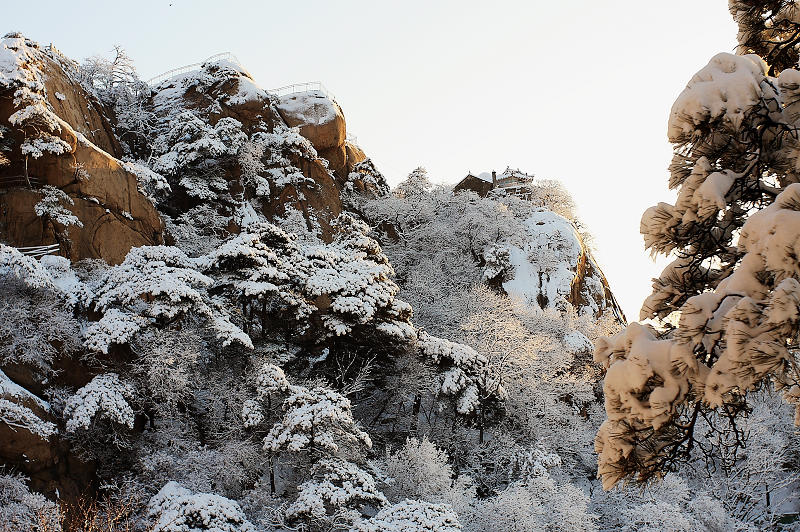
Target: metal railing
18,181
194,66
38,252
309,86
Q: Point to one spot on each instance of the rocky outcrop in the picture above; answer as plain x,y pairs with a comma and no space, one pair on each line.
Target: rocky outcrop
322,122
225,90
553,265
76,156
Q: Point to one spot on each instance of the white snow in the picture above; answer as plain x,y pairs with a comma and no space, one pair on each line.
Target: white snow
545,265
105,396
9,388
312,107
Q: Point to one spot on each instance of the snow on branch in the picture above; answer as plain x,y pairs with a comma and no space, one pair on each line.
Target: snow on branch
466,374
176,509
17,416
335,484
51,207
156,285
105,396
316,419
413,516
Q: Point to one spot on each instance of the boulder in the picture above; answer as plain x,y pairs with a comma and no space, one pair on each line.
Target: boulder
319,118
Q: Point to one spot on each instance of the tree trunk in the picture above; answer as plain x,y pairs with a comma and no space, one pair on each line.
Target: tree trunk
415,413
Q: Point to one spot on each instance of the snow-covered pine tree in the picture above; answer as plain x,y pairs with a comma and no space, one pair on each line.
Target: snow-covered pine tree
733,286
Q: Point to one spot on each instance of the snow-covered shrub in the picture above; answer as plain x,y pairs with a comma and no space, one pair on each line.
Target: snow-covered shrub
418,470
189,141
335,485
369,181
413,516
318,420
668,505
270,380
347,282
151,184
466,374
33,114
34,323
176,509
498,264
166,364
14,264
104,397
538,504
22,510
416,184
227,467
4,147
51,208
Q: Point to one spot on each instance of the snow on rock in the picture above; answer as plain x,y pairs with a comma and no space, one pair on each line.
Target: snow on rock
312,107
549,265
413,516
10,389
105,396
322,122
176,509
14,413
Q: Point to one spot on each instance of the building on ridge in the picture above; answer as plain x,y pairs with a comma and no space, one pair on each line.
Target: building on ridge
512,182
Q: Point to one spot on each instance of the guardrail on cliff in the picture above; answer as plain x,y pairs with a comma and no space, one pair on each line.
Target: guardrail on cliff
19,181
194,66
38,252
308,86
279,91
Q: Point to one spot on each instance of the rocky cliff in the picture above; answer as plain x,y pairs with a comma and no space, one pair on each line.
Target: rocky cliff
56,135
218,153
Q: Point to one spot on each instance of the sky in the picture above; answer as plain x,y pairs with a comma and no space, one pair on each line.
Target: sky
577,91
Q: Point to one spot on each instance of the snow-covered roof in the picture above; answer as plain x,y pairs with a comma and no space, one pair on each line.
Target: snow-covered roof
507,173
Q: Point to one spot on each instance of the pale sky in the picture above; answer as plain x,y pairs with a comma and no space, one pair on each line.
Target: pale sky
577,91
